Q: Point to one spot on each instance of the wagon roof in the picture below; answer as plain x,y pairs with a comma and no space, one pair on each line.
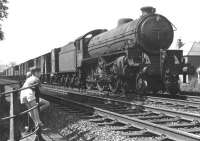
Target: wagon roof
191,49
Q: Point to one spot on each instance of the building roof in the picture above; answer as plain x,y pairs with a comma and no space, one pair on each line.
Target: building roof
191,49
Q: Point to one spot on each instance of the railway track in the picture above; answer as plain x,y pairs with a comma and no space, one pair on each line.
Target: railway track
174,125
175,104
187,102
106,118
184,106
178,96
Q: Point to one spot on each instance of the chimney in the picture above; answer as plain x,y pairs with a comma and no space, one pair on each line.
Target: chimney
147,10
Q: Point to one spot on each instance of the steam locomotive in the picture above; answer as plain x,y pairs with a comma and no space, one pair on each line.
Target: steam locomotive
133,57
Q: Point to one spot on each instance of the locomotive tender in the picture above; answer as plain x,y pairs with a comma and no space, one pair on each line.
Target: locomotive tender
133,57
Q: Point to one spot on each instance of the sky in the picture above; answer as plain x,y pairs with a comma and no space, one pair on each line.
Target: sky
34,27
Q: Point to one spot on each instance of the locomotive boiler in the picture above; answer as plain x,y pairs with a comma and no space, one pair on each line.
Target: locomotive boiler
134,56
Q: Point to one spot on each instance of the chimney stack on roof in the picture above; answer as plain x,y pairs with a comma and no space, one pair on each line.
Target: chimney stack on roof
179,43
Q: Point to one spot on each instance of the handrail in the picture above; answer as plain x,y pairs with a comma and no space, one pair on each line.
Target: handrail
22,113
12,116
4,93
37,128
11,83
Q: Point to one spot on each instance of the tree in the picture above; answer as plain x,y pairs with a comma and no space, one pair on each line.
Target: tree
3,15
12,64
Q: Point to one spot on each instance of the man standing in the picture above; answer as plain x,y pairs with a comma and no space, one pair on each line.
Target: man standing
30,97
43,104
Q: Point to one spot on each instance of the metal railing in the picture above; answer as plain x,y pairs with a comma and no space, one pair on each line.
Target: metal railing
13,115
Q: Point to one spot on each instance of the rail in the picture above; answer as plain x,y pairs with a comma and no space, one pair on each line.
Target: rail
13,115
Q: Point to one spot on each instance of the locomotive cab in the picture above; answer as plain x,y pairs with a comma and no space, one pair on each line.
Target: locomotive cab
81,45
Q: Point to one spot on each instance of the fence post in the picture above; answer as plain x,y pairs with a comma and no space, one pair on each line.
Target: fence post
12,134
